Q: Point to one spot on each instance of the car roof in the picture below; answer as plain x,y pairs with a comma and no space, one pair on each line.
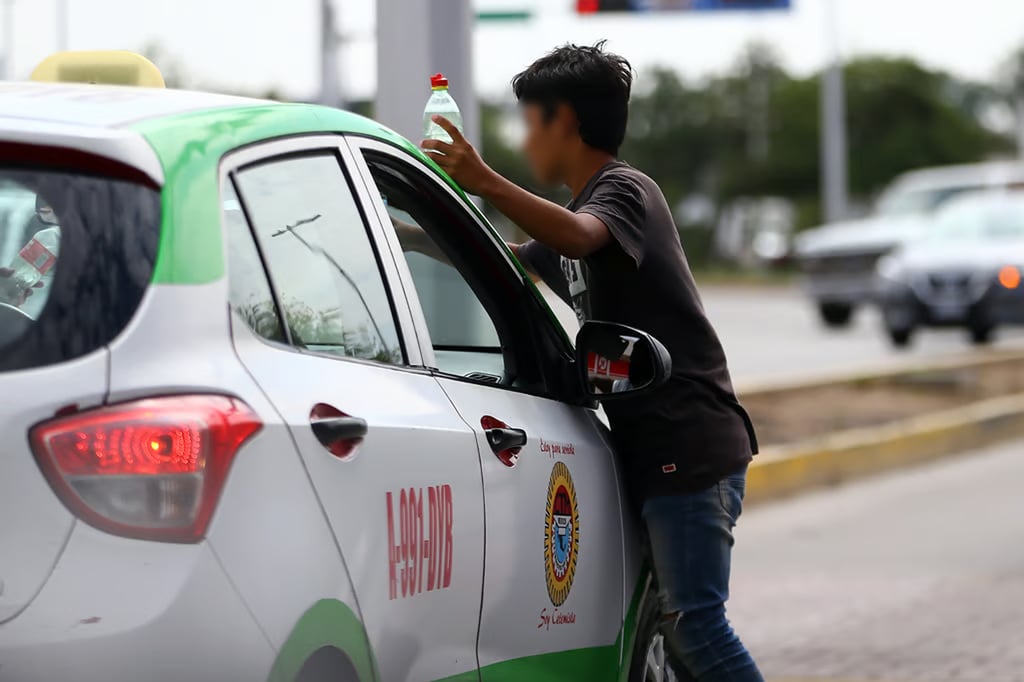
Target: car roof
991,173
138,125
104,106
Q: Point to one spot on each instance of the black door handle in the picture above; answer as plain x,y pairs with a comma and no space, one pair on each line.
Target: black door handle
507,438
340,435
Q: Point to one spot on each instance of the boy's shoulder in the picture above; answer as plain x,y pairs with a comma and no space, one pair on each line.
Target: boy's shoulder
624,172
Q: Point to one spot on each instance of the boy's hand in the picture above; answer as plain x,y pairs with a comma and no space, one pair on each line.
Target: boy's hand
23,296
459,159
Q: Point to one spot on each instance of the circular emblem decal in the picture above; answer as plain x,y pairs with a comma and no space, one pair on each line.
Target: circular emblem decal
562,534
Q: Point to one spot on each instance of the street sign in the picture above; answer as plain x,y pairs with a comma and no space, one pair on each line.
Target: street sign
596,6
504,15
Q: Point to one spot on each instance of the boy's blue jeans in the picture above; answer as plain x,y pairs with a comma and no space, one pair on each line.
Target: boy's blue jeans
691,545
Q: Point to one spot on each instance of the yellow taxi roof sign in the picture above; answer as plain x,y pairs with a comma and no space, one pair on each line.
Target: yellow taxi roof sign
108,67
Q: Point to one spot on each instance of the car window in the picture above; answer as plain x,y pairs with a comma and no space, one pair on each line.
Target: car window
31,243
464,337
76,255
249,292
318,253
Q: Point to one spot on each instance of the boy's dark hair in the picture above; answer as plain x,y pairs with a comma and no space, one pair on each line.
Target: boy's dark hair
593,82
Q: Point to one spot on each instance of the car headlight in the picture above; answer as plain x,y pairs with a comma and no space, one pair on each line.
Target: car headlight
889,267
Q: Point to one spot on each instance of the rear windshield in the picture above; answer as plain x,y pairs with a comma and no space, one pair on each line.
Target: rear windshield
76,255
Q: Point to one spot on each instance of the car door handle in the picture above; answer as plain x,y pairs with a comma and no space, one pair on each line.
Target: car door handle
505,441
340,435
505,438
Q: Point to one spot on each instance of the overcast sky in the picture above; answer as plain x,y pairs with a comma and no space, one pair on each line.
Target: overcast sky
259,44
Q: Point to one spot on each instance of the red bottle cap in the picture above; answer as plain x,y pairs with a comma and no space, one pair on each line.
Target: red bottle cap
438,81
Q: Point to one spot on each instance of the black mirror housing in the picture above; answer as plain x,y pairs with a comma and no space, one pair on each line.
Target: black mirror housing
616,361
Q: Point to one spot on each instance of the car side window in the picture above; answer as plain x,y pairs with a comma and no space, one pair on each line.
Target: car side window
318,253
249,291
464,338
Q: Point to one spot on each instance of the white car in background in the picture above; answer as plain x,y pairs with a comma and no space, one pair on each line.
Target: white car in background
249,437
838,260
966,272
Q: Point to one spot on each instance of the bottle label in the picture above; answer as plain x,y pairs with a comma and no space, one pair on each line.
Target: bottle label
38,256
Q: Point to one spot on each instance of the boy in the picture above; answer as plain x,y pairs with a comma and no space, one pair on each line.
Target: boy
614,254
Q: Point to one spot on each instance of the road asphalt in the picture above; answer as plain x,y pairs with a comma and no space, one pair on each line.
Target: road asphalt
917,576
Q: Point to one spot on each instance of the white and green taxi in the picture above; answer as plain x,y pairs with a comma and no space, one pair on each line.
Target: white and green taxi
247,436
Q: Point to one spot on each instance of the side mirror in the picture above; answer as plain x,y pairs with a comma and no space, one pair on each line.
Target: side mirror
617,361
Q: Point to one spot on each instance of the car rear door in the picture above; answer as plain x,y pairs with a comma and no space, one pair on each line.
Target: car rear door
394,466
553,582
53,356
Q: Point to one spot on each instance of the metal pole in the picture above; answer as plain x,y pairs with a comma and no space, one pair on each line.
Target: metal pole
1018,99
403,65
62,25
330,83
1019,106
414,40
451,51
8,66
833,123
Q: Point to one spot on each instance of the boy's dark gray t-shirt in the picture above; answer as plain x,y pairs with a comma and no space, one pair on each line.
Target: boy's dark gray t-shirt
691,432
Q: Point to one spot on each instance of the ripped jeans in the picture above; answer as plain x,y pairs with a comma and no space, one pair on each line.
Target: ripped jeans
691,545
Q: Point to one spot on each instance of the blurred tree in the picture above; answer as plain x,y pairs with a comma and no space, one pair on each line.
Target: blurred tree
754,130
902,116
1011,91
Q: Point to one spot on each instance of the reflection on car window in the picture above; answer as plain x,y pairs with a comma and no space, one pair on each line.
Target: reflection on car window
248,290
463,336
319,257
29,246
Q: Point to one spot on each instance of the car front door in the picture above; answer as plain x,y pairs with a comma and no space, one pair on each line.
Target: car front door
330,341
553,582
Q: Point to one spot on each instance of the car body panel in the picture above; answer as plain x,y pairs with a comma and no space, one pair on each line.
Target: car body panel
519,620
151,610
31,550
416,442
268,513
328,623
406,508
521,614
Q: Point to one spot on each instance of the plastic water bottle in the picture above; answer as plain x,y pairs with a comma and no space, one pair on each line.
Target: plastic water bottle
34,260
440,103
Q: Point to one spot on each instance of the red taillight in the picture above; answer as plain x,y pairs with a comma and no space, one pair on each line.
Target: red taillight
150,469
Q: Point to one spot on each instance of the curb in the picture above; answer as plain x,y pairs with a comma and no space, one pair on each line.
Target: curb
856,453
876,375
